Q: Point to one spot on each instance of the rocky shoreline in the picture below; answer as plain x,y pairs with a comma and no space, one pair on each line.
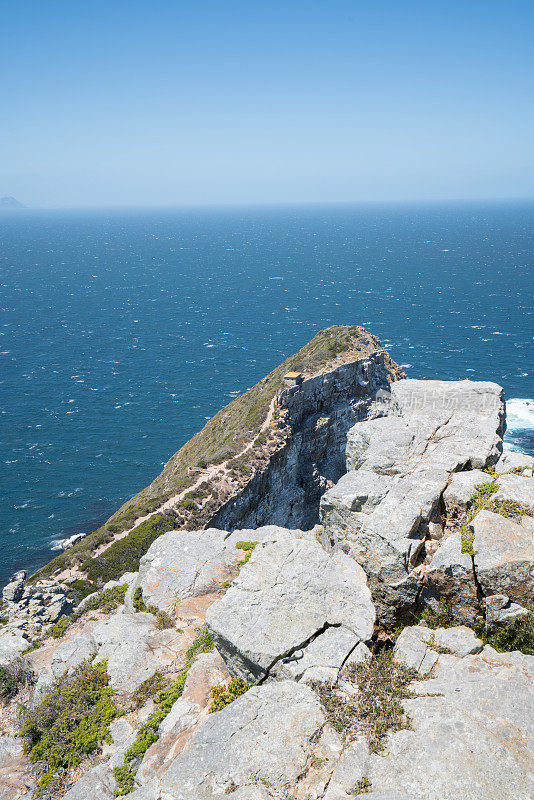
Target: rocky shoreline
355,618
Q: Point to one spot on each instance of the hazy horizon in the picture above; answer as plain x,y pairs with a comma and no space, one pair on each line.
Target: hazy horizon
298,204
170,104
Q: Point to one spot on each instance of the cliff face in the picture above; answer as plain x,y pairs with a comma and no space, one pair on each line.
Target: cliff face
315,418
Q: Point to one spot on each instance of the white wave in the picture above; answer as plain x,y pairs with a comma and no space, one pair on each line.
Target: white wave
56,544
520,414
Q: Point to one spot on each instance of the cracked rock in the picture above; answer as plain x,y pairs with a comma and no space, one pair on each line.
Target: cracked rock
288,598
185,564
266,737
399,466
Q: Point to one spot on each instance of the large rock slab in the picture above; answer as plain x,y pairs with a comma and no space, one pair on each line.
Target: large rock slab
12,643
288,597
399,465
185,564
504,556
71,653
266,737
472,733
134,649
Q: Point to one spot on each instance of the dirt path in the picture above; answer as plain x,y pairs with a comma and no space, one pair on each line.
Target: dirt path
219,471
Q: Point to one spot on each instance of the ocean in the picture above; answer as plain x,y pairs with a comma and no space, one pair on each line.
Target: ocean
122,332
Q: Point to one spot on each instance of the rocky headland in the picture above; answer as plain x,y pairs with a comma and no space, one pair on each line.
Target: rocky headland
326,593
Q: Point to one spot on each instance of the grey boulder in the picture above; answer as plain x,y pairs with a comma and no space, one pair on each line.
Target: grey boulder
266,737
134,649
291,596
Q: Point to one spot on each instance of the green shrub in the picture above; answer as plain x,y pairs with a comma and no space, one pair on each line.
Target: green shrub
517,635
440,617
163,620
148,733
363,786
187,504
508,508
137,600
376,707
149,688
14,676
58,630
71,722
108,600
79,589
221,696
202,644
124,554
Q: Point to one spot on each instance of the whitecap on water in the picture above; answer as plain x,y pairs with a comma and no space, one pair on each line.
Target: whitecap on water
520,414
520,425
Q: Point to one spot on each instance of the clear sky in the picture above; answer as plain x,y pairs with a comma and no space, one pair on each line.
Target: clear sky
114,103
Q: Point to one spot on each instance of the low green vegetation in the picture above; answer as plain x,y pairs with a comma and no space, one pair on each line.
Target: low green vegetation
482,499
163,620
69,724
164,699
517,635
149,688
79,589
363,786
202,644
125,554
376,708
221,696
222,438
106,601
17,674
508,508
59,629
442,616
248,549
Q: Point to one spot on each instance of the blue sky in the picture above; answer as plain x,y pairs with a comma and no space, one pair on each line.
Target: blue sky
175,103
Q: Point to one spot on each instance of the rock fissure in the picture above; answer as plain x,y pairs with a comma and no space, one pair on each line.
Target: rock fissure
286,657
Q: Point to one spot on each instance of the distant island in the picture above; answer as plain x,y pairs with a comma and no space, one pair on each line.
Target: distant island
10,202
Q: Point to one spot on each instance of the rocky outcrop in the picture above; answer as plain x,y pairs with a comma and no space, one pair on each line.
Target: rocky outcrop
389,503
182,565
294,612
268,738
34,609
472,729
502,563
315,417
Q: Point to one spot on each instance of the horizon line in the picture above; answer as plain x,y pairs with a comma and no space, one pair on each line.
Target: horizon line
273,204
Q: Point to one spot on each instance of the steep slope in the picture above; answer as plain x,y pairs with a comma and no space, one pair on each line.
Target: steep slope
230,473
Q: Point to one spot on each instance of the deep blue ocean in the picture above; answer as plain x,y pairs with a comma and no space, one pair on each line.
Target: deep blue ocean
123,332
